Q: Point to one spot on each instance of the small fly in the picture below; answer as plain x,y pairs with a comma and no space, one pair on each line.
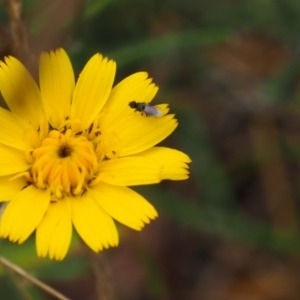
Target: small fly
146,108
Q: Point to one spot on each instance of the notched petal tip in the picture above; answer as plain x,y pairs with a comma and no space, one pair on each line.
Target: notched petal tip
10,59
124,205
41,252
186,158
146,219
93,224
57,51
57,256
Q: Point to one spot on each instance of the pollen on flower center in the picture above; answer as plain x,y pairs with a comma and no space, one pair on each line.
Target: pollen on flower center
65,163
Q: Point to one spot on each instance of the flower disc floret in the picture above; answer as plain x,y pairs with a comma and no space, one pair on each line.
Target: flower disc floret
65,163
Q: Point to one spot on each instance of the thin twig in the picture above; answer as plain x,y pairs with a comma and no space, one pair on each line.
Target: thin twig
32,279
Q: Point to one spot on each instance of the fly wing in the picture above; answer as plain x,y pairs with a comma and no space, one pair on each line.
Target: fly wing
153,111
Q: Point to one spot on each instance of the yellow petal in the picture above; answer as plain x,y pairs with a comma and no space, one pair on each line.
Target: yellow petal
20,91
11,131
93,224
142,133
174,162
124,205
53,234
23,214
10,188
57,84
12,161
134,87
128,171
92,89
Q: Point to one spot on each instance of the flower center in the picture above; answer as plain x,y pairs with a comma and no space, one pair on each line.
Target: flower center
65,162
65,151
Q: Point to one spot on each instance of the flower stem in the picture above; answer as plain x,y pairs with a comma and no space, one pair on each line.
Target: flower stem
101,273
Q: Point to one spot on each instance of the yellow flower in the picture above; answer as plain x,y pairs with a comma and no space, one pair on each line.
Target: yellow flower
68,153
